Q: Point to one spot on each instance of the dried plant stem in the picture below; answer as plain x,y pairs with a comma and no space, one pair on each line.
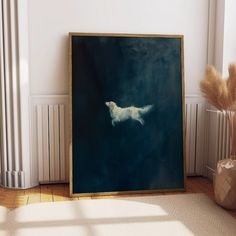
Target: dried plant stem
231,115
221,93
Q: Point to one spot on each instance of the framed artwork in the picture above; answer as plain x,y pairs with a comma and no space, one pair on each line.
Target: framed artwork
127,131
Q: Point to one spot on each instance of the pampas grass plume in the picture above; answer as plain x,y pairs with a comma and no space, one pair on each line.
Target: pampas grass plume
219,92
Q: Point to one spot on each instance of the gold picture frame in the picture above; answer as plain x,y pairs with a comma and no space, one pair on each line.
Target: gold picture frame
133,192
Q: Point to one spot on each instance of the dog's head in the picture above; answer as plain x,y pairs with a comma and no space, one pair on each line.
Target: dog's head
111,105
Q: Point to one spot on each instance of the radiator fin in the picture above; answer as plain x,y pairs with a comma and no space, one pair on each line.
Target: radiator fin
223,141
219,140
195,136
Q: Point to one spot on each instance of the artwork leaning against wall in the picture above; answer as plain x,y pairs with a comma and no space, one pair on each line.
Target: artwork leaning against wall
127,113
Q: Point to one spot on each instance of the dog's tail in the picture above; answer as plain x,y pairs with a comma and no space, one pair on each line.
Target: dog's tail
146,109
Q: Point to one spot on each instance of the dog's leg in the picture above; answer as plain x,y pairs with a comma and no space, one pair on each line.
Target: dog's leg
113,123
141,121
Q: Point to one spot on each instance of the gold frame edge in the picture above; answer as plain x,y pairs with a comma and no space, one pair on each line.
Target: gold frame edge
134,192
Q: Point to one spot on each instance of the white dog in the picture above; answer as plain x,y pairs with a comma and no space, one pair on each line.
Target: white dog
119,114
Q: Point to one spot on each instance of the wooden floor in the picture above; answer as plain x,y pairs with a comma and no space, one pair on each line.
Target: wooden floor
60,192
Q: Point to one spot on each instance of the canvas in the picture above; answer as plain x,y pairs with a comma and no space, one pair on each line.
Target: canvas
127,129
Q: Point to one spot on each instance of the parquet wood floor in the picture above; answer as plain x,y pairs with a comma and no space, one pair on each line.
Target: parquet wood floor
60,192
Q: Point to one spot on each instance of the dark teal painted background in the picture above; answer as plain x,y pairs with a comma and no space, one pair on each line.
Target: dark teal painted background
129,156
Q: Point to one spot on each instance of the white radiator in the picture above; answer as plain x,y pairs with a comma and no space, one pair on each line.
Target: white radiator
219,139
11,152
223,141
50,137
195,114
49,134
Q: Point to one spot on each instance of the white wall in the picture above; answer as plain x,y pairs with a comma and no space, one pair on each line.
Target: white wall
219,34
229,51
51,20
225,35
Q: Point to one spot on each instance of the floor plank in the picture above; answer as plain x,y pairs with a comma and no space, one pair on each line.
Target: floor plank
11,198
